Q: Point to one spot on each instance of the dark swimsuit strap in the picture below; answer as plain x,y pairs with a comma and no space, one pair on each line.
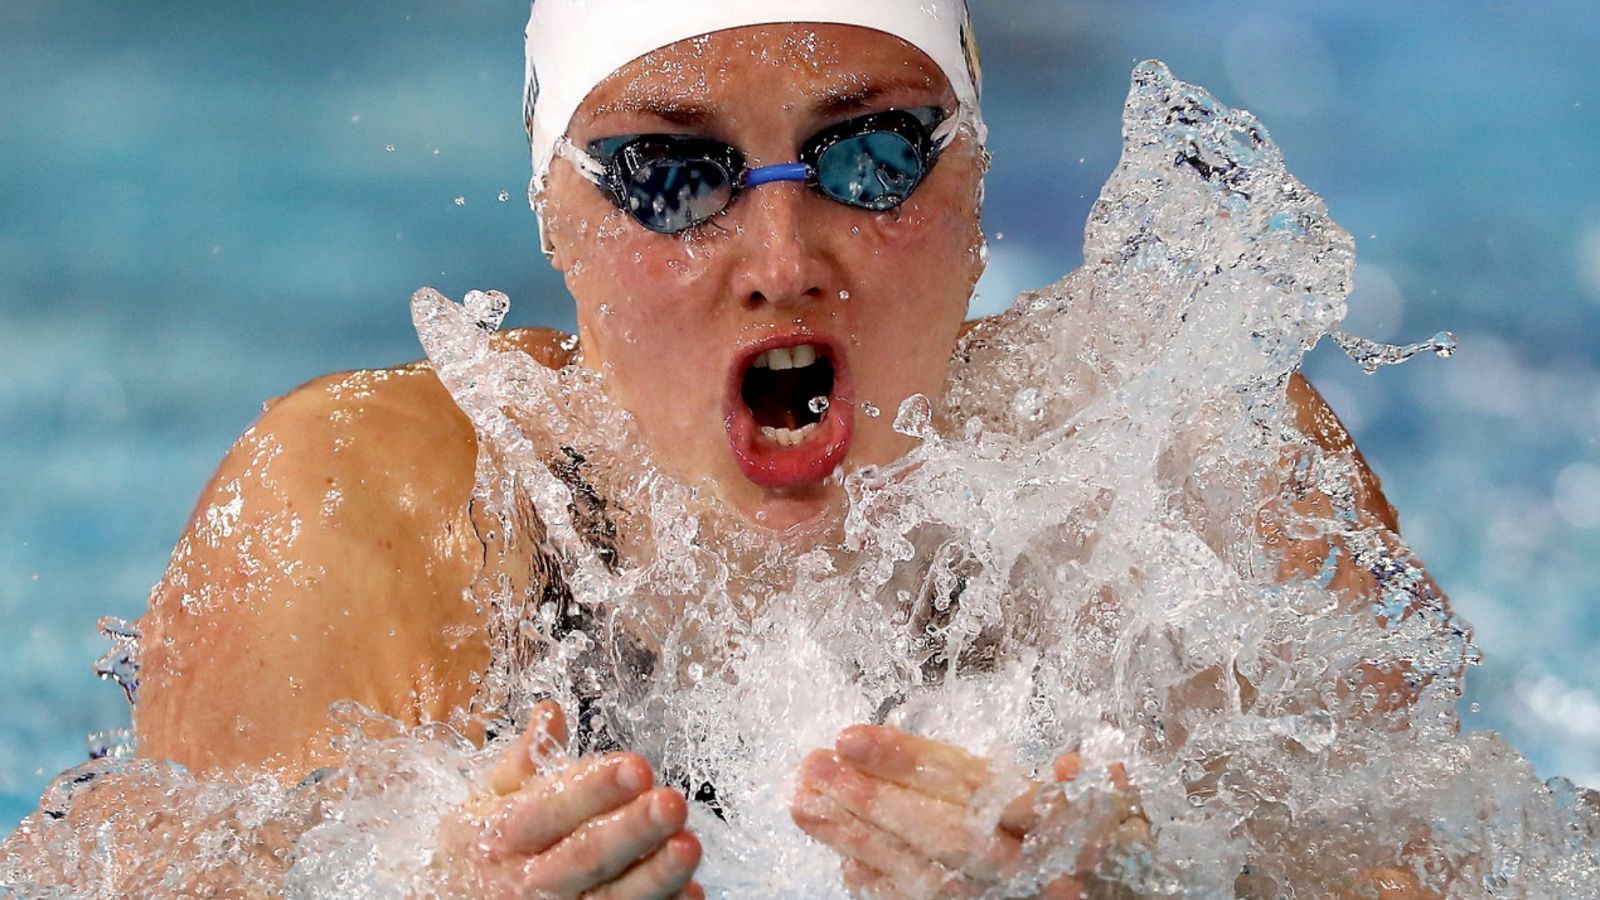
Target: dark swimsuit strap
589,511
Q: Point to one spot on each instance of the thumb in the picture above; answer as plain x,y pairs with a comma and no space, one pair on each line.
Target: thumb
542,743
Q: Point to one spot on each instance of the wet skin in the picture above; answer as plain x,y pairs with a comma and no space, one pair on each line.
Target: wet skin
328,556
667,318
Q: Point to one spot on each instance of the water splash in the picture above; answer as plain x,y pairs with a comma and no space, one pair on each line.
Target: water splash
1372,355
1111,535
121,663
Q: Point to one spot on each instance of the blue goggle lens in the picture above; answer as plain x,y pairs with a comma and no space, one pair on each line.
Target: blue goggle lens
876,171
672,195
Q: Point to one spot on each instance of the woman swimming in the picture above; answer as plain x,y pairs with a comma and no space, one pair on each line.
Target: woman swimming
755,207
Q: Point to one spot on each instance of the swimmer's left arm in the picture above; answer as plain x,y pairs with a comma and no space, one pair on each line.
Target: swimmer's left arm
1304,558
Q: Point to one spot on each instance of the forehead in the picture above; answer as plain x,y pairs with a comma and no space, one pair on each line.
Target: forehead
775,64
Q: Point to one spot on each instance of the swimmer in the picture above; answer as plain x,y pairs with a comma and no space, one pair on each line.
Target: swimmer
713,181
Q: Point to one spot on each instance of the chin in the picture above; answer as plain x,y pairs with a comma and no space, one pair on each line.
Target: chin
805,514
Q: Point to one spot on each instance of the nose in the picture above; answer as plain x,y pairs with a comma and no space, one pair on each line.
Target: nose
781,262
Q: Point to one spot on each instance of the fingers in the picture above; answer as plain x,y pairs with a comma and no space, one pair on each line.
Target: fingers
547,811
899,806
605,847
663,874
936,829
863,880
941,771
545,738
899,866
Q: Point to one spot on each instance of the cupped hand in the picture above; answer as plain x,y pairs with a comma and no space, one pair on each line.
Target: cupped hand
898,810
553,828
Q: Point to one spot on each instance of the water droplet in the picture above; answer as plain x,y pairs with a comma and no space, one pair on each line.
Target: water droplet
503,196
388,148
460,200
870,411
818,405
1029,405
844,295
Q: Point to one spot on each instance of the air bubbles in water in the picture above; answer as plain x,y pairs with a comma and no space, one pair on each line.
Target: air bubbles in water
1029,405
461,200
818,405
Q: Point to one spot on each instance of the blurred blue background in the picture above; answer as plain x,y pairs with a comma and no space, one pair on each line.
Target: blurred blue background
203,204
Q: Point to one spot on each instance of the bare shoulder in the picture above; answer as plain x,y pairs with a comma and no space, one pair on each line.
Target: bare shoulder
1316,420
327,559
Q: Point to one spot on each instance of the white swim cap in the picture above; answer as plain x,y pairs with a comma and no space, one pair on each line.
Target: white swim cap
573,45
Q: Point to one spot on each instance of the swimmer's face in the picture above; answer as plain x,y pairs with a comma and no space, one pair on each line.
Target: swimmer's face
681,325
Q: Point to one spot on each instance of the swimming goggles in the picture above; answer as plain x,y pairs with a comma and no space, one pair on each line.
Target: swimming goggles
671,183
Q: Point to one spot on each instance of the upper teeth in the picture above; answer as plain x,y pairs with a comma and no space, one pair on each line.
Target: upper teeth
787,357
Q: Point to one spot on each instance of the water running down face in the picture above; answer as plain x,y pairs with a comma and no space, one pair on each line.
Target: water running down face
748,347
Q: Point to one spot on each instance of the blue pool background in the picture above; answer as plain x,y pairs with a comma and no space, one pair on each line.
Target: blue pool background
199,210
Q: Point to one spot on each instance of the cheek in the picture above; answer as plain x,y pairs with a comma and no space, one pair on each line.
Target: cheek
624,263
932,246
919,270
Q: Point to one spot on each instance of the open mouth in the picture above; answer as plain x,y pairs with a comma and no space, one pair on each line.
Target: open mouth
789,419
788,391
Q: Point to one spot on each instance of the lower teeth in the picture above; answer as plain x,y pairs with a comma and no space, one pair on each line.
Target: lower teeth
787,437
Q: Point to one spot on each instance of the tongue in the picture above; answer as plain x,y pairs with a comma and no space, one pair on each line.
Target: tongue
772,412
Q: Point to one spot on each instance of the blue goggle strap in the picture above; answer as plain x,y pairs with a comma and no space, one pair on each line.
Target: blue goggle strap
782,172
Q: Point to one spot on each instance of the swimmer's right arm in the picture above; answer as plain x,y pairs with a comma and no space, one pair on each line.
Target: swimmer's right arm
327,560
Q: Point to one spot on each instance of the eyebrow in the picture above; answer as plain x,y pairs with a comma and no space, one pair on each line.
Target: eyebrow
685,113
839,101
835,101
